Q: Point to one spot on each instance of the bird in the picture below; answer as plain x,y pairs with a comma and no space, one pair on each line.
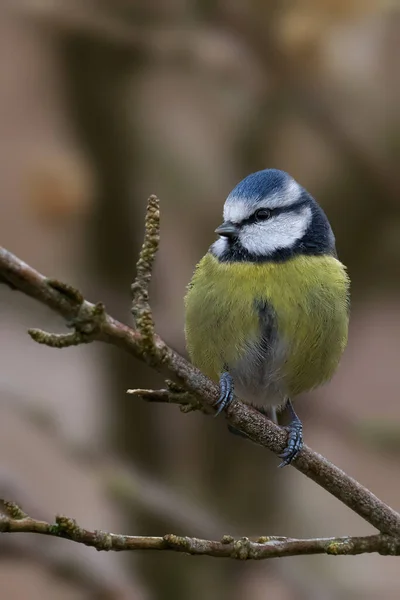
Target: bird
267,308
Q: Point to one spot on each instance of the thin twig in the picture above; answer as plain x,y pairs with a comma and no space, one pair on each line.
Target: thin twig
186,401
62,561
242,417
228,547
141,310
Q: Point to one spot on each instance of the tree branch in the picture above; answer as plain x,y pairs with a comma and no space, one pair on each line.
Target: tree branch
90,322
228,547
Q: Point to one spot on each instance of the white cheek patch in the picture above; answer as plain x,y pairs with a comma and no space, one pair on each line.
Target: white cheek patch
219,247
282,231
239,209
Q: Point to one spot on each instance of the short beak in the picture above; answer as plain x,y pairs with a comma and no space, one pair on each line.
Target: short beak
227,229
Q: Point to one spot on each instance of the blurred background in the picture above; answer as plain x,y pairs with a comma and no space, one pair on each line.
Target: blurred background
102,103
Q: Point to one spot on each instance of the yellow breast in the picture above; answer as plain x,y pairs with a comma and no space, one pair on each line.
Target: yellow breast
309,296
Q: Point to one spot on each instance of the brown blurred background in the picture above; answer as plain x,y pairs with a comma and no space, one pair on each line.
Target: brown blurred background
103,102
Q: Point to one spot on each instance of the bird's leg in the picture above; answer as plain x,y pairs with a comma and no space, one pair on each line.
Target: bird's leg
295,437
226,392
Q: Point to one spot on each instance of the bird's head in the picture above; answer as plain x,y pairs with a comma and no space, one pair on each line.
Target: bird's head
269,216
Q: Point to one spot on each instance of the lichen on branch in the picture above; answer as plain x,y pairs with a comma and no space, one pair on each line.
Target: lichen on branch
141,309
16,521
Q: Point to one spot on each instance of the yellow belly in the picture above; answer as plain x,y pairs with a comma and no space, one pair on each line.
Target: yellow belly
309,296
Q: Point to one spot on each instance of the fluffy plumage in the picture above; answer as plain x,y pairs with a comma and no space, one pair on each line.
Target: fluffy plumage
279,327
269,301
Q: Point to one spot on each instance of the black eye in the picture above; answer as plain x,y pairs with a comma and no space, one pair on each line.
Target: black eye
263,214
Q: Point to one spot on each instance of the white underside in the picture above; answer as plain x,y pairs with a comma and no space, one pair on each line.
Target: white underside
259,379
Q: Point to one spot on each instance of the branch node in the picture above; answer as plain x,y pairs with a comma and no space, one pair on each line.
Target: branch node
87,324
174,387
67,527
103,540
242,549
68,291
227,539
89,320
338,547
176,541
13,510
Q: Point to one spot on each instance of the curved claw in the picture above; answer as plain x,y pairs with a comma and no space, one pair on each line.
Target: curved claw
295,438
226,392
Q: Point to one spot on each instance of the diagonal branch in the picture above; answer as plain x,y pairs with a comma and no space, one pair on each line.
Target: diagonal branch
228,547
90,322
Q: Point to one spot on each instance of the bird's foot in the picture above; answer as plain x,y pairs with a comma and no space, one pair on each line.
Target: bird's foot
226,392
295,438
295,428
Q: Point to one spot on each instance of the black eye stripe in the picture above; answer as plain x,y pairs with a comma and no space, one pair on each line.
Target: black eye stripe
274,212
254,219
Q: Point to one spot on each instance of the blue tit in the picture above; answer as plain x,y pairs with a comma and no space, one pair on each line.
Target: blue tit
267,309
